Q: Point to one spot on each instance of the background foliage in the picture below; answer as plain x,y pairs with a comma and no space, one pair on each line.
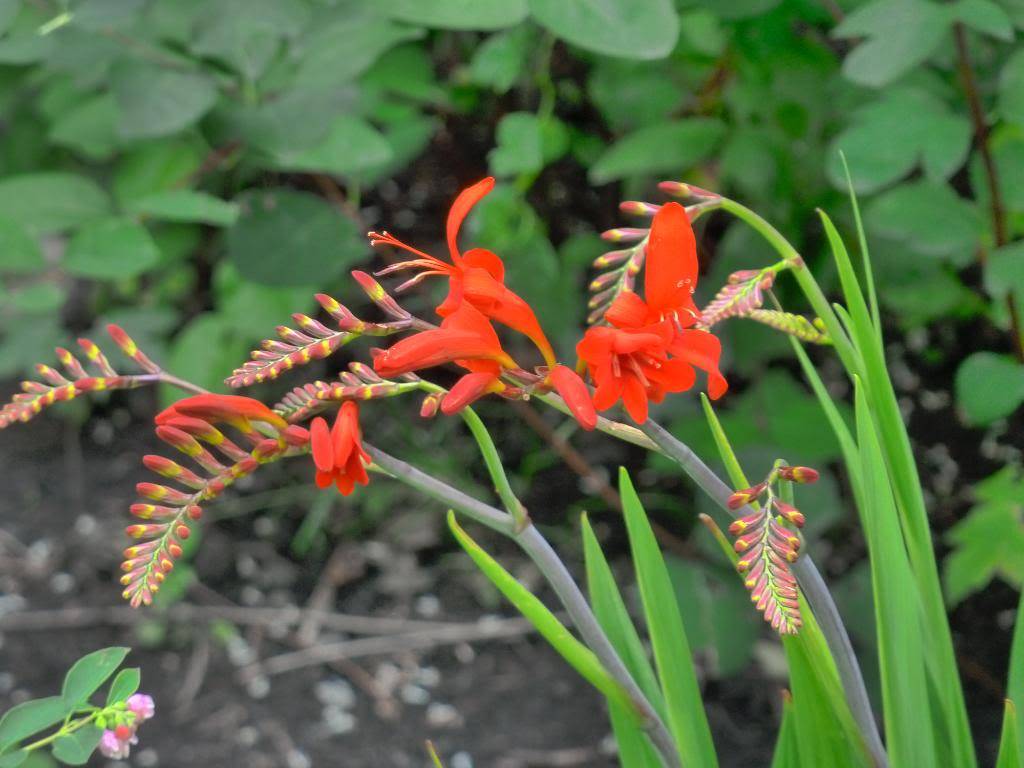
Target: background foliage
195,170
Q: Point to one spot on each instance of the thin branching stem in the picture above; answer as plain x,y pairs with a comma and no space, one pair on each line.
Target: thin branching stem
807,574
546,559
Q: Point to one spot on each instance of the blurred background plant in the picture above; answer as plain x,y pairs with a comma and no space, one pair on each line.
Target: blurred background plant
195,170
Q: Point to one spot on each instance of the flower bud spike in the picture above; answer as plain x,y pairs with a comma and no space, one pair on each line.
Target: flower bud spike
96,357
130,349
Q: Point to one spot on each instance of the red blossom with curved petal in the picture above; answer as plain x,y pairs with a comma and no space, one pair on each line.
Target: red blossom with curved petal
338,453
570,386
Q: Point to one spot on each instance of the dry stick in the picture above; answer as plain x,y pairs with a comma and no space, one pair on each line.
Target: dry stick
810,580
981,136
556,574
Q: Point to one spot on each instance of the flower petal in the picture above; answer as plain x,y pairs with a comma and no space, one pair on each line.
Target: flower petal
576,395
320,439
466,391
670,271
460,209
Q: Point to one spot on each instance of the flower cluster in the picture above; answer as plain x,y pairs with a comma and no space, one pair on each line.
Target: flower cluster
767,548
120,725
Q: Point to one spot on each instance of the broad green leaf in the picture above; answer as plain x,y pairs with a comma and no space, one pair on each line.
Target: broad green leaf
284,237
89,673
29,718
458,14
984,16
1011,89
670,148
186,205
77,748
611,613
156,166
14,759
8,12
245,34
632,94
989,386
344,43
621,28
38,298
19,252
352,145
156,101
518,147
907,214
740,9
498,62
886,139
673,659
51,201
99,15
900,35
407,71
579,657
902,651
1009,747
1004,271
125,684
989,540
90,128
111,249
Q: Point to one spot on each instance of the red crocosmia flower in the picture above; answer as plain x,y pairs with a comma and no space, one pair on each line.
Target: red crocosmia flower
670,267
465,335
338,453
633,365
233,409
476,277
576,395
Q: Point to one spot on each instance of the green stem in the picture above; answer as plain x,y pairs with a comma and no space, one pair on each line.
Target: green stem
65,730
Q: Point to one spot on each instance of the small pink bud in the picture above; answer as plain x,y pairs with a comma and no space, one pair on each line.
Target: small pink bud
142,705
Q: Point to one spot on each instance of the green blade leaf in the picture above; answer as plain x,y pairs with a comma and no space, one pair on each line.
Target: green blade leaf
1015,684
1009,748
89,673
686,717
787,748
580,658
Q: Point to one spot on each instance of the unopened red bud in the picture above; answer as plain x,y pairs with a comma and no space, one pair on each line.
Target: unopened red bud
799,474
296,436
675,188
624,235
430,406
639,208
790,513
743,497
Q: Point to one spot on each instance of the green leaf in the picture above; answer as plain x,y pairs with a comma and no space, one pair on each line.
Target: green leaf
669,148
900,35
908,213
622,28
156,166
14,759
76,748
352,145
1011,89
518,147
888,138
99,15
29,718
186,205
686,718
581,658
633,94
156,101
983,16
89,673
989,540
989,387
111,249
499,61
284,237
787,748
458,14
51,201
1009,747
38,298
204,352
246,34
89,127
19,252
1015,682
1004,271
125,684
342,44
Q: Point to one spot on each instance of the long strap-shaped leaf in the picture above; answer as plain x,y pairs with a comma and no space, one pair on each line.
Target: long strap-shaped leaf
901,646
672,657
1009,748
581,658
610,609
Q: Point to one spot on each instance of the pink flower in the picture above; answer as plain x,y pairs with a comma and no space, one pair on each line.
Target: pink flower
117,743
142,705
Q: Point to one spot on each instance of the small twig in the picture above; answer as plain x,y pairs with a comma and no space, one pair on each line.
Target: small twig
344,565
334,194
485,629
198,665
996,203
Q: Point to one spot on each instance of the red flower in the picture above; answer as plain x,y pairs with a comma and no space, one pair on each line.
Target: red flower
466,338
338,453
233,409
576,395
651,349
476,277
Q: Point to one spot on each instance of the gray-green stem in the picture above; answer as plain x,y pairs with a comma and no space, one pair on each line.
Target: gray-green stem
807,574
547,561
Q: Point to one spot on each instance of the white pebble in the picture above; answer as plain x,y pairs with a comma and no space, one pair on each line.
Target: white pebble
461,760
416,695
337,692
443,716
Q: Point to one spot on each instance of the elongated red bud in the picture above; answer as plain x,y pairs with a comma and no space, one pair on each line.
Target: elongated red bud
790,513
746,495
803,475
